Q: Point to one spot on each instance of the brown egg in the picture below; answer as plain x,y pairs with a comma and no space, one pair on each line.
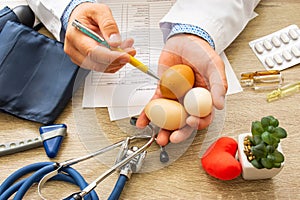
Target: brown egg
176,81
166,113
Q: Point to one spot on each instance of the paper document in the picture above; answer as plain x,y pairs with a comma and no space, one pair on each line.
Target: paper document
234,85
126,92
130,86
12,3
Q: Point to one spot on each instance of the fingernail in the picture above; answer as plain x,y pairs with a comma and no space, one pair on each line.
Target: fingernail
222,102
116,38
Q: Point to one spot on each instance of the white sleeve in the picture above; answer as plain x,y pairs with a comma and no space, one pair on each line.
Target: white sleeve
222,20
49,13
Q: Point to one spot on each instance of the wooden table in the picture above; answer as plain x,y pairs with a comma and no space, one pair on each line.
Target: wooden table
183,178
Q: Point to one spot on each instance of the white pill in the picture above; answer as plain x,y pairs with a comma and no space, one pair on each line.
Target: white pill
293,34
284,38
278,59
295,51
276,42
269,62
259,48
267,45
286,55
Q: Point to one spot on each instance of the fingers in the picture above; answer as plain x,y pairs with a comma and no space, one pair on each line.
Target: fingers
181,134
88,53
162,138
142,120
165,136
107,25
127,46
199,123
97,58
101,57
217,81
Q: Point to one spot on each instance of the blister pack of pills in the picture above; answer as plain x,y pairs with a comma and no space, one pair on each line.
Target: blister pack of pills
278,50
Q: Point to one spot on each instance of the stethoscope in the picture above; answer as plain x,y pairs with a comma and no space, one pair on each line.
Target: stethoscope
128,160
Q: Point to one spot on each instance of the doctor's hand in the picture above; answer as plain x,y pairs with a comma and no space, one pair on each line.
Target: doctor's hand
209,73
86,52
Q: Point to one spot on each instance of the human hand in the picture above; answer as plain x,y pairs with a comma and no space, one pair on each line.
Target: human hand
88,53
209,73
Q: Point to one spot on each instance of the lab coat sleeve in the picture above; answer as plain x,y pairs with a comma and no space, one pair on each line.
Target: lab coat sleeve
223,20
49,13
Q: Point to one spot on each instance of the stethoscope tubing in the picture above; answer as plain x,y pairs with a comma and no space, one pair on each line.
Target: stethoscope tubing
116,193
21,172
10,186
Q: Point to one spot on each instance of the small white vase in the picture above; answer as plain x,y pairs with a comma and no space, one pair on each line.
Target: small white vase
249,172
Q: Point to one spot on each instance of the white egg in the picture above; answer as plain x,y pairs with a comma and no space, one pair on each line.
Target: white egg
165,113
198,102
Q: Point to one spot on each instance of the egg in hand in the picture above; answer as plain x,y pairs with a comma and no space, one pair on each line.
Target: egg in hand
166,113
198,102
176,81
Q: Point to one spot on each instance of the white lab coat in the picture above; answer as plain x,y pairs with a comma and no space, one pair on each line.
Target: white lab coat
222,19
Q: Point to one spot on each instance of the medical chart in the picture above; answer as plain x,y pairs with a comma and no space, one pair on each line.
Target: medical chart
126,92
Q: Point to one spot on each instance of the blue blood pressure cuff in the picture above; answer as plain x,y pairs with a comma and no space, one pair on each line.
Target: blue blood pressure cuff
7,14
36,76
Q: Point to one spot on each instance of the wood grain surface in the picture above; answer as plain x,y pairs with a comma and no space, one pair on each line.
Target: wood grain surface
183,178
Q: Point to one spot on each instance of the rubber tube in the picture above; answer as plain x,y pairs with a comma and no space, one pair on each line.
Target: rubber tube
35,177
115,195
15,187
81,183
21,172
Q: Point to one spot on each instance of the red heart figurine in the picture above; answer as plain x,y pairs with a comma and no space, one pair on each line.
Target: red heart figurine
219,159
